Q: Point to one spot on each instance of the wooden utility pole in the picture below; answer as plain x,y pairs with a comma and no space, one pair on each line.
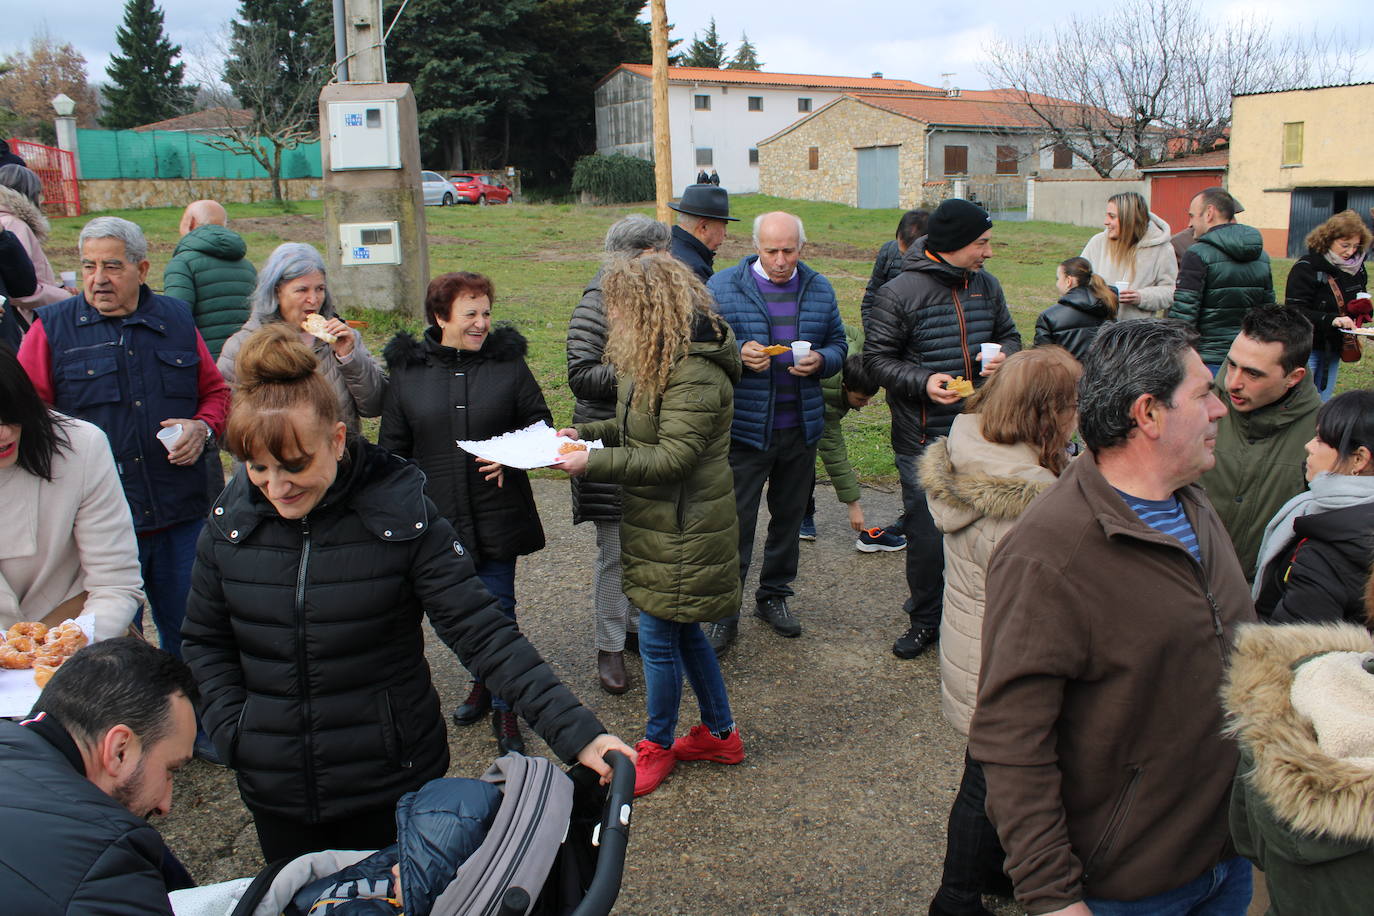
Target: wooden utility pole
663,151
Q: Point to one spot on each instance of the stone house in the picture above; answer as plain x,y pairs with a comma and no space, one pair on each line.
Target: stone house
1299,157
913,149
717,117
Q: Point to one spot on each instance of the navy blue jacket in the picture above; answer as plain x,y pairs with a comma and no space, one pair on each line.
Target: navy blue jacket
127,375
818,320
688,249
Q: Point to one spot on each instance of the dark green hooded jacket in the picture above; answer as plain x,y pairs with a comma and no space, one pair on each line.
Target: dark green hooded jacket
208,271
1221,277
679,532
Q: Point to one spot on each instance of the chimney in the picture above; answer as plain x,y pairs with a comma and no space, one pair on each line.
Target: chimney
877,74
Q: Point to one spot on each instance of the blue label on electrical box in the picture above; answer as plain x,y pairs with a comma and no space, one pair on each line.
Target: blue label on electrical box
353,120
362,254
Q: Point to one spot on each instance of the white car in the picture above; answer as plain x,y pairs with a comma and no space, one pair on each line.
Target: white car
438,189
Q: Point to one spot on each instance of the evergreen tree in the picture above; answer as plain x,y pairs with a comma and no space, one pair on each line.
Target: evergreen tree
747,57
708,51
145,79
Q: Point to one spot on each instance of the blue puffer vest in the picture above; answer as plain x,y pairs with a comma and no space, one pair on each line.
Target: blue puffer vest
818,320
127,375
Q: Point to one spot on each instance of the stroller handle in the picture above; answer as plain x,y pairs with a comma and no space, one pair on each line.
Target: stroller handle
614,836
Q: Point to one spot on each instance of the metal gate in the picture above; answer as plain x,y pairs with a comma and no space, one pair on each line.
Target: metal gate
878,178
1002,201
1308,208
56,168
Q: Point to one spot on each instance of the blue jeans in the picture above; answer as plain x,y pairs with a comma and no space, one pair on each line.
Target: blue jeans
499,578
1221,891
668,650
1324,362
165,559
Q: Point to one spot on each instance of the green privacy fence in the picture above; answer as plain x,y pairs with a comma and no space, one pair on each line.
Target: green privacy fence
177,154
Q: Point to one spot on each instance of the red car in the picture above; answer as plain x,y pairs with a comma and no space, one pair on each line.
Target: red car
480,189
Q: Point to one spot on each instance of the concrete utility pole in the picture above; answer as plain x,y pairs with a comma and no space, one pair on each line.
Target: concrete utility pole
363,27
663,150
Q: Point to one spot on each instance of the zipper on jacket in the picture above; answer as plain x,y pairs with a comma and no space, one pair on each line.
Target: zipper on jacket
963,333
302,682
520,845
1114,823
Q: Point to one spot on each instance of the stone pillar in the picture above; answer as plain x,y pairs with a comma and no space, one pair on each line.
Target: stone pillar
960,188
66,140
1030,199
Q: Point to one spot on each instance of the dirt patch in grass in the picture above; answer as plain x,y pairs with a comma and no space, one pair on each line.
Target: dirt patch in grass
290,227
739,244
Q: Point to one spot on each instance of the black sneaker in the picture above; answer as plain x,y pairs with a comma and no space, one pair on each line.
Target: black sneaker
505,725
721,634
776,614
915,641
474,707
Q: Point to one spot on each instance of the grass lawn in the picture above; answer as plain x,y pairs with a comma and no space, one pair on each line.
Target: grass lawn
540,256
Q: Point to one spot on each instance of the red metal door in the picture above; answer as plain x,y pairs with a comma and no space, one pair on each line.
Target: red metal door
56,168
1171,192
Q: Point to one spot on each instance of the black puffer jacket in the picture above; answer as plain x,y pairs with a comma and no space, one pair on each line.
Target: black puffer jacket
688,249
932,318
1073,322
306,640
593,384
16,279
442,395
1309,291
886,266
1320,576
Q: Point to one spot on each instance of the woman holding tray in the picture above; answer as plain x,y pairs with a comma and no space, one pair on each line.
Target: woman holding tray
465,380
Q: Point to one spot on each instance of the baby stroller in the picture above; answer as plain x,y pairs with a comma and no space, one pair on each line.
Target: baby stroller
552,844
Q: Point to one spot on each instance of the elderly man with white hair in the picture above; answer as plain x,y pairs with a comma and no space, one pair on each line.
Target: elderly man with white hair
132,362
776,304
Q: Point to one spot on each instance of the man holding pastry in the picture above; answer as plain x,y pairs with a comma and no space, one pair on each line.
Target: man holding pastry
934,332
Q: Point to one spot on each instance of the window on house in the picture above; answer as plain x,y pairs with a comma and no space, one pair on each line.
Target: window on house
1292,143
1008,160
754,157
956,160
704,155
1063,156
701,102
813,158
803,104
756,103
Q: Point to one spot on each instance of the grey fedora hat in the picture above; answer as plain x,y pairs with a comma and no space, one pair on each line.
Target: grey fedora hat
705,200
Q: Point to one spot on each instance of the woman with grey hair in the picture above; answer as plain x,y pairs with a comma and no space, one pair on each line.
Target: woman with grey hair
291,287
21,212
592,381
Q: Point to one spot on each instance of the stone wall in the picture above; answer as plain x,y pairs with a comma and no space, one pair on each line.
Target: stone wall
1078,201
837,132
145,193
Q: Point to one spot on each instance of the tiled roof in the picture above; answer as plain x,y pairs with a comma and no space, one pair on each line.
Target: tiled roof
972,107
209,119
1212,159
761,78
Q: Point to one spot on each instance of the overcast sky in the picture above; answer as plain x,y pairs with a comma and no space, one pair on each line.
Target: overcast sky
806,36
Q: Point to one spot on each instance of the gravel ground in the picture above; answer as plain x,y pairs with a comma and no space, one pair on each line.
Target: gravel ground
840,804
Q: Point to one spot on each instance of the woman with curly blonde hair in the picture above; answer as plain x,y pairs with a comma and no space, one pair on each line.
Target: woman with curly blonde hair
1325,285
668,447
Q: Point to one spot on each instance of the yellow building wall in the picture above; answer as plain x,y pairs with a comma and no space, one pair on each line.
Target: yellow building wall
1338,134
837,132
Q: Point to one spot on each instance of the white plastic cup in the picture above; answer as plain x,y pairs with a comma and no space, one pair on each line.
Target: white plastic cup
168,436
990,350
69,278
800,349
1122,285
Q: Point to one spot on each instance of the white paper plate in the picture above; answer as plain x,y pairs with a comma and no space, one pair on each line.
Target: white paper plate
18,692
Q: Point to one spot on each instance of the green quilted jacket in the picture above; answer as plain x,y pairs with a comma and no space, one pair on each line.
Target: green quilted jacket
833,452
679,532
208,271
1221,277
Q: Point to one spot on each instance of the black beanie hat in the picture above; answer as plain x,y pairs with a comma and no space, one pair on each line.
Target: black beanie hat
954,224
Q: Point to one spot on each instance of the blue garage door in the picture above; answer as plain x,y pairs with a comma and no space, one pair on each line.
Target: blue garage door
878,178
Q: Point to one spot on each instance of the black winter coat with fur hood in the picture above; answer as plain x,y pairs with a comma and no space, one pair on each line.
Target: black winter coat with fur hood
439,395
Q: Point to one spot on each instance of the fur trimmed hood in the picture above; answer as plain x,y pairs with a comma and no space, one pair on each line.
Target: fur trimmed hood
967,477
1313,793
503,344
26,210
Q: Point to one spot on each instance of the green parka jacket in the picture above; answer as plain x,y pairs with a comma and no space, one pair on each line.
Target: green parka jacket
1299,814
1221,277
1260,458
209,272
679,532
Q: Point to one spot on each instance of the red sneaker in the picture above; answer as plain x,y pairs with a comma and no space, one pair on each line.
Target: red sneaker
700,744
654,764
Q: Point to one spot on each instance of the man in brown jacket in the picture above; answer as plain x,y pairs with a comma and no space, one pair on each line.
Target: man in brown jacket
1110,611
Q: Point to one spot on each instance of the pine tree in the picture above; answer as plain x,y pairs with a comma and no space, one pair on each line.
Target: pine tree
145,79
747,57
708,51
